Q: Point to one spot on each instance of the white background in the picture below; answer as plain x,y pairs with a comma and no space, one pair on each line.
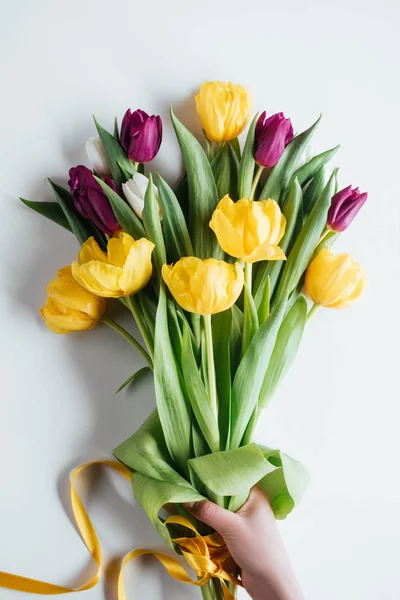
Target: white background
338,410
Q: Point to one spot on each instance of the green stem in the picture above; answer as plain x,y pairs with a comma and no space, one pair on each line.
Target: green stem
212,590
248,278
137,315
255,181
129,338
312,311
212,386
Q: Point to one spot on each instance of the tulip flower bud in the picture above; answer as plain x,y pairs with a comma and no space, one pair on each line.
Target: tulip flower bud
205,287
272,135
124,270
69,306
90,200
223,109
141,135
334,280
344,207
96,155
135,190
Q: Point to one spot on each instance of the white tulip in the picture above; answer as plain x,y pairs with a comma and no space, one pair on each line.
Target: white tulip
135,190
95,152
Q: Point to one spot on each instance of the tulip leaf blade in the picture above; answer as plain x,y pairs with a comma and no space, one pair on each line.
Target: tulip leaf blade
79,226
203,196
114,154
172,402
176,234
309,170
285,349
50,210
225,167
283,171
247,162
152,225
272,269
236,147
221,328
305,244
250,374
314,190
132,379
198,395
125,216
265,301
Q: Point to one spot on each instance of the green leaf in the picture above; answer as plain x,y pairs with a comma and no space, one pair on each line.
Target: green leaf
78,225
114,154
272,269
124,214
198,395
116,131
306,242
181,192
203,195
172,403
152,224
250,317
50,210
132,379
283,171
285,486
309,170
314,190
155,481
285,349
177,239
247,163
231,472
265,302
236,147
328,240
250,374
221,328
225,167
236,338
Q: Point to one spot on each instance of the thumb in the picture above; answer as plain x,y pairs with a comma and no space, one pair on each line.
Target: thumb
223,521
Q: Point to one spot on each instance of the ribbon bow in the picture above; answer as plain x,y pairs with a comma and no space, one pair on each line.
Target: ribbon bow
206,555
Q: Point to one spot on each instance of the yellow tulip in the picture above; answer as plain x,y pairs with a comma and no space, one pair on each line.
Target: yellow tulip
124,270
206,286
334,280
69,306
249,229
224,109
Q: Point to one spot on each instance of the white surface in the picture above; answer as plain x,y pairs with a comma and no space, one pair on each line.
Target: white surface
339,408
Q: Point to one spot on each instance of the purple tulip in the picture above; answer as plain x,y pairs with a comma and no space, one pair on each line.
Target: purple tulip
272,135
90,200
344,207
141,135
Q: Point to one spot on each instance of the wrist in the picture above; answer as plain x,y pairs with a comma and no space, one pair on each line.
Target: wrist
273,586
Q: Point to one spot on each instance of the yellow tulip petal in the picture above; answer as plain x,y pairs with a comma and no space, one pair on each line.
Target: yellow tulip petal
138,267
118,248
334,281
61,319
265,252
99,278
178,284
74,296
228,237
91,251
276,219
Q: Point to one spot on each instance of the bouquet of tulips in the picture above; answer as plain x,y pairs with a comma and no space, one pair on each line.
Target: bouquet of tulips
221,274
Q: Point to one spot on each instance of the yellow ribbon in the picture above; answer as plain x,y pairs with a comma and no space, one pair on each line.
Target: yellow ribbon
205,554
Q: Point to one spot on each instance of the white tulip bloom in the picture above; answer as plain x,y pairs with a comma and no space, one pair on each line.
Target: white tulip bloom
135,190
96,155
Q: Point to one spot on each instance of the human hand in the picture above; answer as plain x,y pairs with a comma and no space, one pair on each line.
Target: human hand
255,544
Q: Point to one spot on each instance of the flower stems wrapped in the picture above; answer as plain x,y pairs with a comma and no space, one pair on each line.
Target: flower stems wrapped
213,274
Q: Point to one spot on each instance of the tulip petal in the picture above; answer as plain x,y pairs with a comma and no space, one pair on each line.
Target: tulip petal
265,252
67,292
61,319
99,278
91,251
138,267
228,237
